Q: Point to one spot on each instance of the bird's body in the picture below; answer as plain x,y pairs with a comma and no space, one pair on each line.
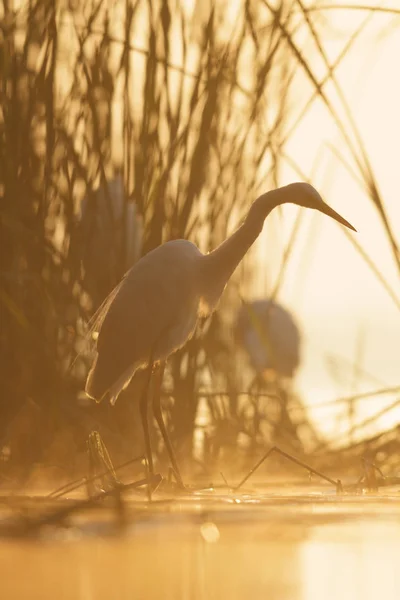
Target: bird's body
163,297
155,308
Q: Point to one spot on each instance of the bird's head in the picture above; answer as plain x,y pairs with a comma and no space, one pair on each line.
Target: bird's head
302,194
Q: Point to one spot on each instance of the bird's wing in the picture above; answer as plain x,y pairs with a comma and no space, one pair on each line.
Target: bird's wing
155,300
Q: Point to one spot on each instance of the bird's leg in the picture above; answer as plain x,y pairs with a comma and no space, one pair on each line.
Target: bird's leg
145,419
160,421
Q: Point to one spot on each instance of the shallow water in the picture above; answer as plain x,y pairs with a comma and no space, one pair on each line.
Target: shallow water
215,545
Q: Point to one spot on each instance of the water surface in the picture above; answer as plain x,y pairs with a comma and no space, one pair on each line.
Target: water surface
307,546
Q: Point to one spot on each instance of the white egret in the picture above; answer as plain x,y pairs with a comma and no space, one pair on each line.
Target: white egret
155,308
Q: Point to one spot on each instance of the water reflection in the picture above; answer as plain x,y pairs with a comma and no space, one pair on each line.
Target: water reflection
355,560
219,558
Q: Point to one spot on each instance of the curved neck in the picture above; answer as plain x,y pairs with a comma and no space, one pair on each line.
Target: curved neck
222,262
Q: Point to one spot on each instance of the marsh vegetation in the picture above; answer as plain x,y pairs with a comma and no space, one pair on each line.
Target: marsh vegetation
126,124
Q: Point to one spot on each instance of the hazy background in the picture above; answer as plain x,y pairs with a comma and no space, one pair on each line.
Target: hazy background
335,294
125,124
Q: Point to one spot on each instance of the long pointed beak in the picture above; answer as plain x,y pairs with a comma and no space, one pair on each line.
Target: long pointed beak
327,210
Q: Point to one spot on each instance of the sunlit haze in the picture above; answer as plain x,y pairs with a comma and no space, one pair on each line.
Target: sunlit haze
199,299
336,297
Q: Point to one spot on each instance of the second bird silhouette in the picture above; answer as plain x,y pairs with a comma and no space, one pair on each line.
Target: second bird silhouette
155,308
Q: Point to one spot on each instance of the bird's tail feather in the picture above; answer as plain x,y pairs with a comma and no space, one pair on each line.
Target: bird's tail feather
92,387
121,383
97,389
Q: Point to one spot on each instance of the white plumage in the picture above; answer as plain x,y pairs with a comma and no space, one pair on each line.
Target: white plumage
154,312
